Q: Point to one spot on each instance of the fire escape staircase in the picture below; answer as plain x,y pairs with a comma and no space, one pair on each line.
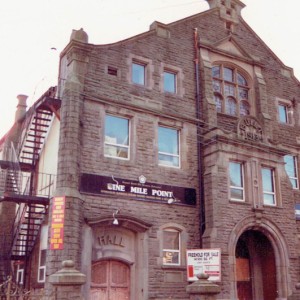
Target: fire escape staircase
30,203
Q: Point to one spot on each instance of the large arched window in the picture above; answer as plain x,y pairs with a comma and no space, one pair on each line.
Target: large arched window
231,91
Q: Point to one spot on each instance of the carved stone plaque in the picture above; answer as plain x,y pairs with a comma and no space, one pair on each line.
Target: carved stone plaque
249,129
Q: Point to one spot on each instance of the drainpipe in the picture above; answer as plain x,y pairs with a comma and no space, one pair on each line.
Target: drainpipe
199,135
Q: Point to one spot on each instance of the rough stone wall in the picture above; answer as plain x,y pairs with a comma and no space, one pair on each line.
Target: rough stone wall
149,106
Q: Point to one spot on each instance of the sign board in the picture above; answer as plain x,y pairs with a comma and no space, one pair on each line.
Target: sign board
204,261
139,190
57,223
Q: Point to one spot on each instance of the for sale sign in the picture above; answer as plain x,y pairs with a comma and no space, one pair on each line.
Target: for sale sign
204,261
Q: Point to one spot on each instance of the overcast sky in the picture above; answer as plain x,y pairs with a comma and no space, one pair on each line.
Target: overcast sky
30,29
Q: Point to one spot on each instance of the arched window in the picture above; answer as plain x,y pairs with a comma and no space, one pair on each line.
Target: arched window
171,247
231,91
173,244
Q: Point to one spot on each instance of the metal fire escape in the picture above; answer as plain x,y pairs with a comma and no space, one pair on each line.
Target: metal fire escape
22,187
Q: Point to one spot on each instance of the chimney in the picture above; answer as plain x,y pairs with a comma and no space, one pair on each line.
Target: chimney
21,107
230,10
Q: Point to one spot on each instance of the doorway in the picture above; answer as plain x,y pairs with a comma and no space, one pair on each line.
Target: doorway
110,280
255,267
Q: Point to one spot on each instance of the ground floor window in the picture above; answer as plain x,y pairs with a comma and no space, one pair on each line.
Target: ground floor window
171,247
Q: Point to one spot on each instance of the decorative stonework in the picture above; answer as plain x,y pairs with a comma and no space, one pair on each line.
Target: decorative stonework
249,129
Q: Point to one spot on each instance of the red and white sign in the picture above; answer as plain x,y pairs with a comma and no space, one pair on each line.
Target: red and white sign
57,223
204,261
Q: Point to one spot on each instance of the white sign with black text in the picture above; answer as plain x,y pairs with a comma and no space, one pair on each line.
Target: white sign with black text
204,261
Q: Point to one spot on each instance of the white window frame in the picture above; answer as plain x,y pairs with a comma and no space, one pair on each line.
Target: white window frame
295,167
43,247
166,71
273,192
164,163
287,105
20,274
283,111
177,251
144,66
241,188
116,145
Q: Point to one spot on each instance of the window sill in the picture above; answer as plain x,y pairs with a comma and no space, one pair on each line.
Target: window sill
286,124
228,116
239,202
169,267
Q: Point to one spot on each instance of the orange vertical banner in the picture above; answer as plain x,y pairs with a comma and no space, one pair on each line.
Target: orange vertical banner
57,223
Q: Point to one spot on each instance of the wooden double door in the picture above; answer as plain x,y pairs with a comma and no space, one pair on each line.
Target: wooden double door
110,281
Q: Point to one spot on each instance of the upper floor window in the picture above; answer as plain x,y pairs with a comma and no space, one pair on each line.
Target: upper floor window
236,174
268,184
231,91
116,143
170,82
285,111
291,169
138,73
171,247
168,146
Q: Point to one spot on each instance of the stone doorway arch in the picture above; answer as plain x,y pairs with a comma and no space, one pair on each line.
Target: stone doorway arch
268,230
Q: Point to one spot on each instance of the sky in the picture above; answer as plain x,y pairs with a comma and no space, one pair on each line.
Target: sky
34,32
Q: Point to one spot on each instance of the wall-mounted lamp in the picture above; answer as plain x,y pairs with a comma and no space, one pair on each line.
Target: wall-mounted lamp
115,221
171,200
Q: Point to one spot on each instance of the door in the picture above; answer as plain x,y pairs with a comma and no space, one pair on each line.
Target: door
110,280
255,267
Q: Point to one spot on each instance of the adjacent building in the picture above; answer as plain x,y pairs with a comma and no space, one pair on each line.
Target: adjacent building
183,137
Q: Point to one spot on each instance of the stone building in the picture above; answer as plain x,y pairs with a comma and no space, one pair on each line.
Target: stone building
183,137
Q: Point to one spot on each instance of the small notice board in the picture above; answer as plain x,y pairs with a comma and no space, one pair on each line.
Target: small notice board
205,261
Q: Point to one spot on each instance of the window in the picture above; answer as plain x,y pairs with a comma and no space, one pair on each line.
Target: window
297,211
169,82
171,247
283,115
43,254
284,111
268,186
230,87
138,73
236,174
291,169
116,143
20,273
168,147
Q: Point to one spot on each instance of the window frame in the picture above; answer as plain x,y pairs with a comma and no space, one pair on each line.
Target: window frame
177,251
283,115
43,247
234,187
20,273
174,83
295,168
142,65
160,162
288,112
117,145
229,89
273,186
